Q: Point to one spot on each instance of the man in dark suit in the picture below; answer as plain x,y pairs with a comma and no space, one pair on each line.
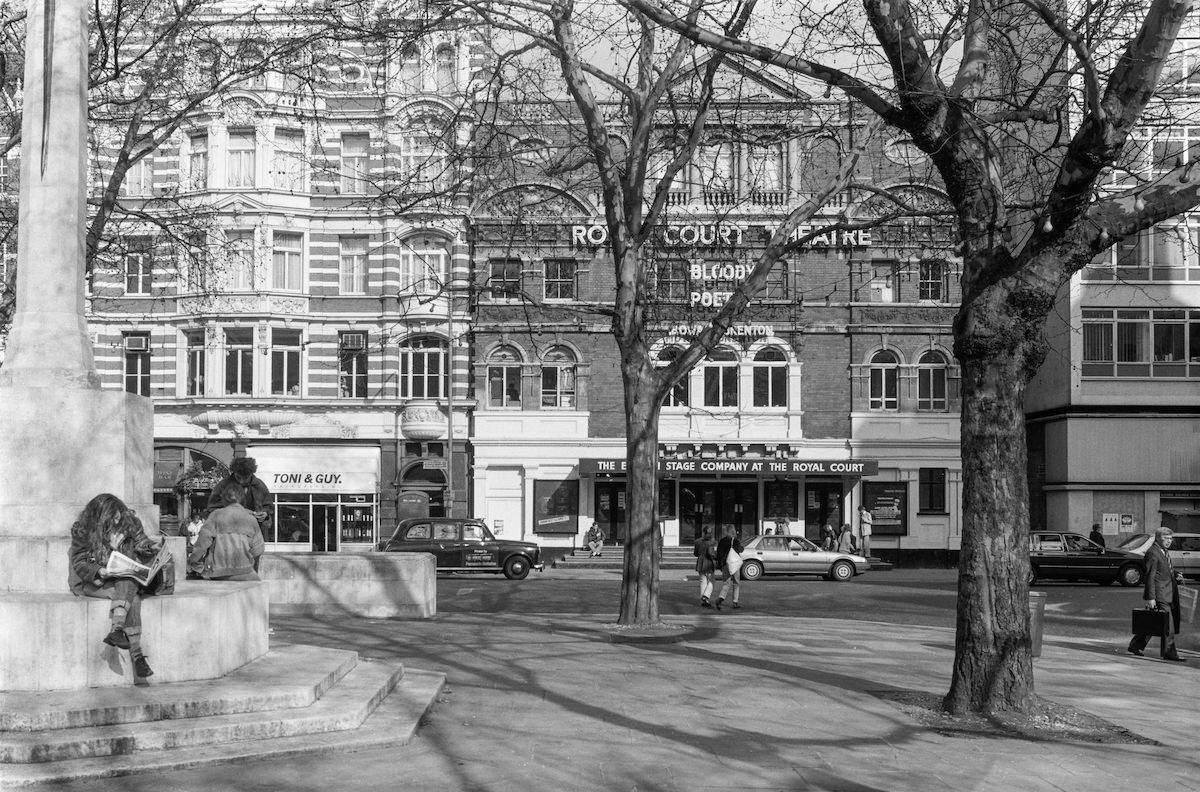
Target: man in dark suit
1161,592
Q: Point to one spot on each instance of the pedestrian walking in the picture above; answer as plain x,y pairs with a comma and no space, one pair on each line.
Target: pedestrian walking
705,550
1096,536
1161,592
729,557
865,521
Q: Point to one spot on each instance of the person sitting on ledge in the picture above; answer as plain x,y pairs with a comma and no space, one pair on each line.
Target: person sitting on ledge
229,543
107,524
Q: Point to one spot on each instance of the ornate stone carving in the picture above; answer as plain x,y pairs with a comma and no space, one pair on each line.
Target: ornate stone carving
219,303
240,111
422,421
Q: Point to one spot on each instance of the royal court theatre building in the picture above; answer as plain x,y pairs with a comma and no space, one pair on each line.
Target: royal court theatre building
837,387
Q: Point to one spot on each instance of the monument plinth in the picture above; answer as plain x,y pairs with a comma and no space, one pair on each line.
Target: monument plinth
64,439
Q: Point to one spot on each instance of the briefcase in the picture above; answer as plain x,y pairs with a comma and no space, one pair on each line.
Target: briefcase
1155,623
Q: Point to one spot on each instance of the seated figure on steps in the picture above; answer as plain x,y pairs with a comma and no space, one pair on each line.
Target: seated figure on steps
106,525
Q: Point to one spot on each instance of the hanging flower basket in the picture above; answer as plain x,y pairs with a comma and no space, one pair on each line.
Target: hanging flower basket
198,477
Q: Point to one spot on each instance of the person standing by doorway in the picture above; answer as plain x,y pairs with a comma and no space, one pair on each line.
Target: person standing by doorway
705,550
729,557
865,522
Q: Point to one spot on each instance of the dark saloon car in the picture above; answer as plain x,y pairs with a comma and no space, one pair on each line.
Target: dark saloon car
1068,556
463,545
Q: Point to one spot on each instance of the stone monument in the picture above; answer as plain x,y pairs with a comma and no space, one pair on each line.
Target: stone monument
63,439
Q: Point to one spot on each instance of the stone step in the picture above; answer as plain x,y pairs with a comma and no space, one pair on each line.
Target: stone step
290,677
393,723
344,706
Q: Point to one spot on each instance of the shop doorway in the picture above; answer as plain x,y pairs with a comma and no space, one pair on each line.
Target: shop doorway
709,504
324,528
822,504
610,511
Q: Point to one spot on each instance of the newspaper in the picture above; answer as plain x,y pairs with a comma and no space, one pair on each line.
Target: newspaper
122,566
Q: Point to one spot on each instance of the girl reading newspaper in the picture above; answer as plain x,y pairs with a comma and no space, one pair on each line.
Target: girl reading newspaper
105,527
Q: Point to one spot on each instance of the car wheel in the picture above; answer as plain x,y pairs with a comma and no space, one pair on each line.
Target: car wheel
752,570
516,568
1130,575
841,571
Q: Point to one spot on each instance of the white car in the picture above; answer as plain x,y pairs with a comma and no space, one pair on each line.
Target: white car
774,554
1184,552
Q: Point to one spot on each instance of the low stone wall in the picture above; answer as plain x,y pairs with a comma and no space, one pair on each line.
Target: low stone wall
373,585
204,630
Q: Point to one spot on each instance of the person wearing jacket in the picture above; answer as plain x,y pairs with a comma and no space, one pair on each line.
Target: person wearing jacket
1161,592
845,541
255,495
705,551
729,541
105,525
229,543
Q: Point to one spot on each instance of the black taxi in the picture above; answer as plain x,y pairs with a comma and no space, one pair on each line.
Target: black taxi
463,545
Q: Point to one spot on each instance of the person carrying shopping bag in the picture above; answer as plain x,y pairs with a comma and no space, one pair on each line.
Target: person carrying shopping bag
729,556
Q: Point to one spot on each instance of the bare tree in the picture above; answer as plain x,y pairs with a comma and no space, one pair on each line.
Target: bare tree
1033,208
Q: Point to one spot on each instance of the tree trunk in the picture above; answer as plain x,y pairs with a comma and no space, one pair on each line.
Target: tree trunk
639,586
993,670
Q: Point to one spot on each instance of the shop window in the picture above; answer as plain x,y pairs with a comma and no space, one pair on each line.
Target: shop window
885,381
770,378
239,361
931,382
287,261
504,378
196,361
721,379
560,279
423,368
137,362
931,491
424,265
504,278
352,265
556,506
558,379
677,396
285,362
352,365
138,267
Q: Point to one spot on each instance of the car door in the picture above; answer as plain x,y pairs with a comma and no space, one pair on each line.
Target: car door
1185,554
1085,559
446,544
477,552
1046,551
809,558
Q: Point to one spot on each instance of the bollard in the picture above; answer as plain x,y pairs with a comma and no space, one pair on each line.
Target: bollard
1037,614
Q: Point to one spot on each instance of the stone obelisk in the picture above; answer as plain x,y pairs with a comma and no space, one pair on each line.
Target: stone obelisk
62,438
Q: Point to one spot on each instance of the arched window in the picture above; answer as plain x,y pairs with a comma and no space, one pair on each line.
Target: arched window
504,378
885,377
931,382
770,378
423,368
410,68
446,78
721,379
678,395
558,379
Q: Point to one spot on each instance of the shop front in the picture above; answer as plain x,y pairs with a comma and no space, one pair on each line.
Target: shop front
326,498
751,494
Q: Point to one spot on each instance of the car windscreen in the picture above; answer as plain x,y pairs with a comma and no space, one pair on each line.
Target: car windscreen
1133,541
